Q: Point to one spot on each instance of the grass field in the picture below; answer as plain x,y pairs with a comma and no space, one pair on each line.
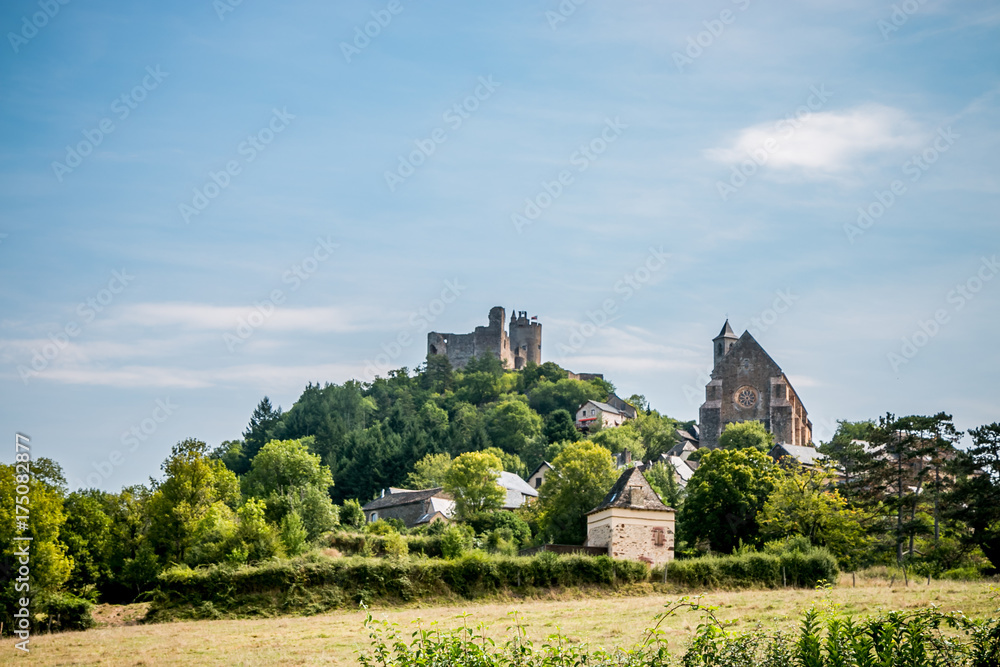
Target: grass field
608,620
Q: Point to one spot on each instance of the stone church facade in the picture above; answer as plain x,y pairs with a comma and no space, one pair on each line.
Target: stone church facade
522,344
747,385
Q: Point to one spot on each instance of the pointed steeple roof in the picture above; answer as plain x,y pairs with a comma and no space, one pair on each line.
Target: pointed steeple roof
632,491
727,332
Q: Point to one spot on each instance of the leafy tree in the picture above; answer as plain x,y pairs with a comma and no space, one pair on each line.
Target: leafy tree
663,478
805,502
264,419
87,536
975,499
559,427
255,537
50,566
429,472
485,523
437,374
290,479
510,462
472,482
724,496
617,440
533,373
231,453
745,435
293,534
456,539
132,562
511,425
478,387
564,394
847,449
486,363
193,484
582,475
351,514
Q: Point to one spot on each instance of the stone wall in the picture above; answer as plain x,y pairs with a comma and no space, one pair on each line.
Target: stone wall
632,534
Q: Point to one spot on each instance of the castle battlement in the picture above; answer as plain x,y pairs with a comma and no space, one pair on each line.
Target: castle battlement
515,348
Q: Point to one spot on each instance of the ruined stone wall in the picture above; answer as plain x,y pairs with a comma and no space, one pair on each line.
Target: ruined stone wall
490,340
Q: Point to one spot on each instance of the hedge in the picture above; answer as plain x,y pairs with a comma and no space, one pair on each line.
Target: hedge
317,583
795,568
354,544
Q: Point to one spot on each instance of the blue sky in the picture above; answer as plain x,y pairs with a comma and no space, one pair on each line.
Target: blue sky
632,173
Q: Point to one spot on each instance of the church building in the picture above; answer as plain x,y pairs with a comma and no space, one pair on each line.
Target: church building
747,385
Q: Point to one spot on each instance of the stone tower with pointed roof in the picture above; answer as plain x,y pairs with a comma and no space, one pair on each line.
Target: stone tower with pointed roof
632,522
748,385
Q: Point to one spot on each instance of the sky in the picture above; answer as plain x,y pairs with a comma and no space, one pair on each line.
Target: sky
203,203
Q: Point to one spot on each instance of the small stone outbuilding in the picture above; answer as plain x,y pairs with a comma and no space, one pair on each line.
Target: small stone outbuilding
632,522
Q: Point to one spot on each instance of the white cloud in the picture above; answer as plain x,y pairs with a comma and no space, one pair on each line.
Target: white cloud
825,142
261,376
200,316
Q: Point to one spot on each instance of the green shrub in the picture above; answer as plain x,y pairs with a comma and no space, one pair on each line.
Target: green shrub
962,574
63,611
456,539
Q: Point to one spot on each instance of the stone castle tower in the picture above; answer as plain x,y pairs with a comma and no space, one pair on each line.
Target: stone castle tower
514,349
525,340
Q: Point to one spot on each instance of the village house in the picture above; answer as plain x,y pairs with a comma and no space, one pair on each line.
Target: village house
592,411
632,522
536,478
413,508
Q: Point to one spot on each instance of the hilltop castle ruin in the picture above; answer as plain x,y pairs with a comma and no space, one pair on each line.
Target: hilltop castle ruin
514,349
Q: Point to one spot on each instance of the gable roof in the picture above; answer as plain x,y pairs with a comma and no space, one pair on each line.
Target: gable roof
516,489
632,491
543,464
605,407
748,343
402,497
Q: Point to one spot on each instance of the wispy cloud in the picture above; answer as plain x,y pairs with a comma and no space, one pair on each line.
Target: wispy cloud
206,317
826,142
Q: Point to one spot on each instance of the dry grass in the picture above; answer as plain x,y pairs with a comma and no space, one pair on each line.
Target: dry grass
331,639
